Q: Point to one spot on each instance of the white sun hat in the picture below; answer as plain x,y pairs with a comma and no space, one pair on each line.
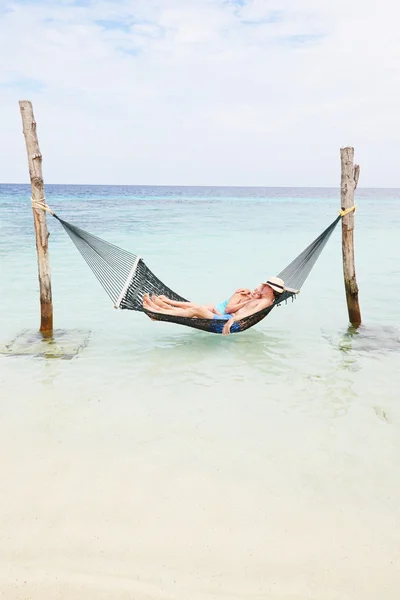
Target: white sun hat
276,284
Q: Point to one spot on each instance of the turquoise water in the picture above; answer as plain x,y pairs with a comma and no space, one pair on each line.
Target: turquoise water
163,462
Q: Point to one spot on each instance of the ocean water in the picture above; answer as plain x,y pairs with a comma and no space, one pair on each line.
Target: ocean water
148,460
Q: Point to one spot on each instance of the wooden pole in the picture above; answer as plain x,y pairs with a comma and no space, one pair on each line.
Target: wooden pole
39,216
349,181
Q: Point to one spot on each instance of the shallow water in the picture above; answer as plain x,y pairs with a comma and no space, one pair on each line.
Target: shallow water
148,460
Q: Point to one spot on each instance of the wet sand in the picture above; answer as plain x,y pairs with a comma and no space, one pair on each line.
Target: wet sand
161,498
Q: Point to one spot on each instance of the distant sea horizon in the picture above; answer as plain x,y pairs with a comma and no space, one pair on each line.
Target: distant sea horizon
204,185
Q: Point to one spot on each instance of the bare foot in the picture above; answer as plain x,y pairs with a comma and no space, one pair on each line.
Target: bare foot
158,302
146,299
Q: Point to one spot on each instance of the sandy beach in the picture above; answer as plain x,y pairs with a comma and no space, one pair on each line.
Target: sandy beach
131,500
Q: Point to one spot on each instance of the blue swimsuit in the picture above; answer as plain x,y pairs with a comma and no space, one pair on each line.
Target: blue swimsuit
221,308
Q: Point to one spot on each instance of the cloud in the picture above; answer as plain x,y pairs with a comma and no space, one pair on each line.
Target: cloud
255,92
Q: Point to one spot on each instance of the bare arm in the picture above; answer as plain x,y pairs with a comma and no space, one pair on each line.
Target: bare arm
238,300
256,306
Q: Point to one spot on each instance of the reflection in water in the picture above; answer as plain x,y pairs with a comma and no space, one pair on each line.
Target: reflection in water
62,344
255,352
367,339
361,353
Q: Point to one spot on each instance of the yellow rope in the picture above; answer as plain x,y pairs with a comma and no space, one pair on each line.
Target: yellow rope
343,213
41,205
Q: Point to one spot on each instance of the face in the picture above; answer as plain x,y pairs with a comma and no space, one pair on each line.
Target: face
262,290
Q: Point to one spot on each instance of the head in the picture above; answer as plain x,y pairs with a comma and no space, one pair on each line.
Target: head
274,286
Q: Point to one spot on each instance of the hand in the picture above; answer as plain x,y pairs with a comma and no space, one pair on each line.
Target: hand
244,291
227,327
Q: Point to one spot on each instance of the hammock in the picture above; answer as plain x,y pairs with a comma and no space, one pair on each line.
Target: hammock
126,278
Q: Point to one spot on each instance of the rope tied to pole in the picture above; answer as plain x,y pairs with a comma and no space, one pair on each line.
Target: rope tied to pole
41,205
343,213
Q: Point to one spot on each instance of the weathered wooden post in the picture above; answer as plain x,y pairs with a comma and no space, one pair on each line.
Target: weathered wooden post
349,180
39,216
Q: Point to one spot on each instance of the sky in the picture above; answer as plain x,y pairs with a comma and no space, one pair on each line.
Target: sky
202,92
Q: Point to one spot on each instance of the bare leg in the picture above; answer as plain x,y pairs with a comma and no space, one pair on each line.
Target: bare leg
171,303
211,307
157,300
175,302
178,304
191,313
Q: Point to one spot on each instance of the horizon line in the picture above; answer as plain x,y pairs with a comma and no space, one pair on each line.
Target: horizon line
171,185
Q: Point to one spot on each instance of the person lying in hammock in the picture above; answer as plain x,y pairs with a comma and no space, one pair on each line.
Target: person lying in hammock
242,303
